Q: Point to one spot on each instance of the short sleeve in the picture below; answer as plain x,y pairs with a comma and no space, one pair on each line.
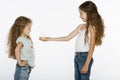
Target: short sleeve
20,39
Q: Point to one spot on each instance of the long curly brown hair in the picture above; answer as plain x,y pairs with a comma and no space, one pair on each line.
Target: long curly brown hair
93,19
16,31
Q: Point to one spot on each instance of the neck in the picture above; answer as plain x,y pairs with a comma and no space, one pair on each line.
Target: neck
24,36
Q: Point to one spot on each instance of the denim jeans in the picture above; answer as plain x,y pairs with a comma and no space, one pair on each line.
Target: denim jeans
22,72
79,62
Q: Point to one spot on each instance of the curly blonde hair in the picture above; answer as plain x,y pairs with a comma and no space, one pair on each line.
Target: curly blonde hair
16,31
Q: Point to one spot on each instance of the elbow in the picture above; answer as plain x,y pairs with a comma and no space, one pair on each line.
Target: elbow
67,39
17,51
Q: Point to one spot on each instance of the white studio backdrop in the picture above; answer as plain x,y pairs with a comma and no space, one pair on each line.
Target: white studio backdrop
55,18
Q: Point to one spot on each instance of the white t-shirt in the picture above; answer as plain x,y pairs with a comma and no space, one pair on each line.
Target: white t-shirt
27,51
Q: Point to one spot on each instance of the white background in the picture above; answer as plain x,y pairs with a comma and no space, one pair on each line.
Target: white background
55,18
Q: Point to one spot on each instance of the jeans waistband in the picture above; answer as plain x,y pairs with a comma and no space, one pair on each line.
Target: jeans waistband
23,66
81,52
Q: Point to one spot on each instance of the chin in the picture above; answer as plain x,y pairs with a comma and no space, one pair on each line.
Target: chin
84,20
27,35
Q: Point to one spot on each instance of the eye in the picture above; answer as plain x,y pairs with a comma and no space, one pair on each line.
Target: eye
29,28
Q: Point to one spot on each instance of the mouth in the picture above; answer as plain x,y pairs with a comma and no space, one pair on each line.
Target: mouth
82,18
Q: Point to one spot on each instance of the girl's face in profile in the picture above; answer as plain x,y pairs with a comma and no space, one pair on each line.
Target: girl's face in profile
27,29
83,15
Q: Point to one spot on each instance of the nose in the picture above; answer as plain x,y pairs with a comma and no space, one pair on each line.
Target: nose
30,30
80,16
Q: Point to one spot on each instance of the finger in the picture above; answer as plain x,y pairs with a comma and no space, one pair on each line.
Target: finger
84,72
39,38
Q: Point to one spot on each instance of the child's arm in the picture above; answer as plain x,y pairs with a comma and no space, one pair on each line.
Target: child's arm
65,38
17,54
90,53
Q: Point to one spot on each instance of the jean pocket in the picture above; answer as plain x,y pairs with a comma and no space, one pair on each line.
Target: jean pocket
24,72
83,57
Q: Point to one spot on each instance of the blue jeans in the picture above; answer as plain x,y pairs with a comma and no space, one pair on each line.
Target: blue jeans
79,62
22,72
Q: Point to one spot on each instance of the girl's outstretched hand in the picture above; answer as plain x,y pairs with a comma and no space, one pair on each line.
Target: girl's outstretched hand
43,38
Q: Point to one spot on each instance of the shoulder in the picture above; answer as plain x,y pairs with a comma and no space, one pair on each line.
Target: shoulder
20,39
82,26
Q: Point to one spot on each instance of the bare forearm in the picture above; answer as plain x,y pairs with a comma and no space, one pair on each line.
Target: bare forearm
58,39
17,54
88,58
92,46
